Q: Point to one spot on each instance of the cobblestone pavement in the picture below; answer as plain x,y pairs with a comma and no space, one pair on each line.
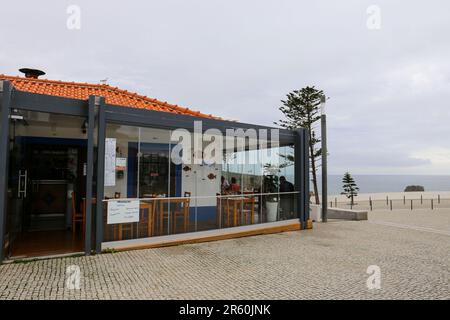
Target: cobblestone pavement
329,261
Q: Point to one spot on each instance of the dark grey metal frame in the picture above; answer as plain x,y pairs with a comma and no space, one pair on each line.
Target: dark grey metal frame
101,135
5,102
323,125
98,114
89,174
301,155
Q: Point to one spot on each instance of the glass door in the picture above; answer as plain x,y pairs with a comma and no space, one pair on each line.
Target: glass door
46,184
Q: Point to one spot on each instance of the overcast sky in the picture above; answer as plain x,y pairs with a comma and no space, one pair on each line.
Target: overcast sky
389,88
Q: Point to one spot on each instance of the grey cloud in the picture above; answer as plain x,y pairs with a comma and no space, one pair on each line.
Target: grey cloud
237,59
362,157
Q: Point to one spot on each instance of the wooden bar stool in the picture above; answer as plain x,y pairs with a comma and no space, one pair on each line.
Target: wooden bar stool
219,211
248,202
183,211
146,222
126,227
78,218
173,213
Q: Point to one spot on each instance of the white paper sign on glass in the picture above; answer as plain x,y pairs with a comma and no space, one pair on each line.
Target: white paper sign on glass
110,162
123,211
121,163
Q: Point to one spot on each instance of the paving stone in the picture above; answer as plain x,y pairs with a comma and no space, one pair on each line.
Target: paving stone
328,262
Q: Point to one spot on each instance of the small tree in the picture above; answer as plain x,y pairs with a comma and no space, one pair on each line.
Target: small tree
350,187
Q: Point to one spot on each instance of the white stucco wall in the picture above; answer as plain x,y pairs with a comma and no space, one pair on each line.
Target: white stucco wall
197,182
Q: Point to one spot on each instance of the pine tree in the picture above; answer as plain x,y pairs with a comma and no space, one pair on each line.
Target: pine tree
350,187
302,110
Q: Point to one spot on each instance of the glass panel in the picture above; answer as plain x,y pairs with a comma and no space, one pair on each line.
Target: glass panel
121,182
206,184
287,183
157,176
231,186
271,184
121,174
142,169
240,186
156,172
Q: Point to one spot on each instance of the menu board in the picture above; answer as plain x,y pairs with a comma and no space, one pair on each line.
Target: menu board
110,162
123,211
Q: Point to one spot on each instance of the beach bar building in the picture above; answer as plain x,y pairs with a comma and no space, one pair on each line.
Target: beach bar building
86,168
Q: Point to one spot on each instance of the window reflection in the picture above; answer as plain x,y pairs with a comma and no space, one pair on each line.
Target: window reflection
253,185
154,173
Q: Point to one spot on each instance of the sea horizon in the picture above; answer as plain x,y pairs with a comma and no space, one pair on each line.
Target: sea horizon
380,183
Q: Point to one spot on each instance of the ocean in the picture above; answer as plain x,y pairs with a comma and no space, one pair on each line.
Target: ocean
389,183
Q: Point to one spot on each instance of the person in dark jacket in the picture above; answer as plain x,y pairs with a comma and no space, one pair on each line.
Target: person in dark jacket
287,200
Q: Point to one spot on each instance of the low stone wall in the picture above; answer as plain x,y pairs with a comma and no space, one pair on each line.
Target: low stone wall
346,214
315,213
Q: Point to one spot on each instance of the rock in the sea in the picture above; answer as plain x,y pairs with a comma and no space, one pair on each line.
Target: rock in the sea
414,188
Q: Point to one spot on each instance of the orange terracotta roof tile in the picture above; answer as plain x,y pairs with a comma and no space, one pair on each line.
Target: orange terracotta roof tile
112,95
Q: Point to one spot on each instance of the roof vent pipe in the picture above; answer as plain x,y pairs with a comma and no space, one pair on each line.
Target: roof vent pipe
32,73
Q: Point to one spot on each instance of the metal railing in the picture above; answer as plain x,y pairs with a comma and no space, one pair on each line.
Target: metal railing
423,202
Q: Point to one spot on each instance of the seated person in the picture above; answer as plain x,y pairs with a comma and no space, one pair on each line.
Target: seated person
286,186
225,186
235,187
